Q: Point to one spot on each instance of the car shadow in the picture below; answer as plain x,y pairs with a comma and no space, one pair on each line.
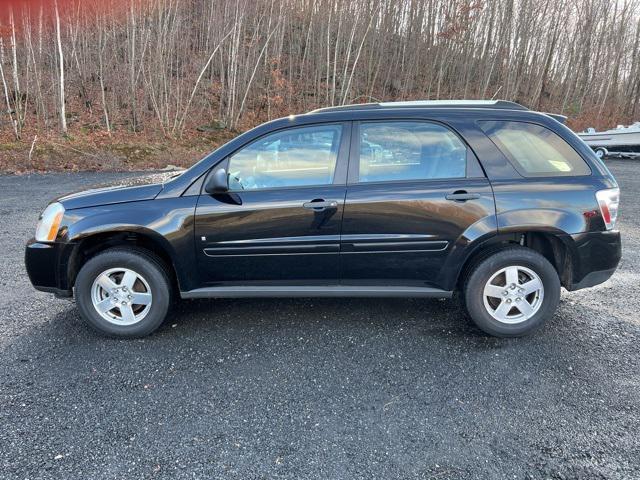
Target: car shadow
425,317
217,323
326,328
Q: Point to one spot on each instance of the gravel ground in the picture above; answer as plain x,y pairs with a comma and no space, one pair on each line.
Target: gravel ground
331,388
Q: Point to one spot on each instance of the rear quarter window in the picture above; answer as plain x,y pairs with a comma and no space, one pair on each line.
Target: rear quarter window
534,150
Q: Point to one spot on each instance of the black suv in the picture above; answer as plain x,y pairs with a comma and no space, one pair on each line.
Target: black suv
411,199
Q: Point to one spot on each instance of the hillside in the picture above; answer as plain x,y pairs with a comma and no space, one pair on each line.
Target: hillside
145,83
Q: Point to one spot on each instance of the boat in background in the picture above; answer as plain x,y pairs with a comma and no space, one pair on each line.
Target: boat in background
622,142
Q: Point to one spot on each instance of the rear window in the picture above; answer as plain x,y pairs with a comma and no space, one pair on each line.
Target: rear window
535,151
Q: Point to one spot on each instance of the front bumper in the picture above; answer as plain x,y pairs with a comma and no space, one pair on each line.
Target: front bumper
595,258
46,265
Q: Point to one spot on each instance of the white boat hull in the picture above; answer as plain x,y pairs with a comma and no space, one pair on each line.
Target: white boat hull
612,140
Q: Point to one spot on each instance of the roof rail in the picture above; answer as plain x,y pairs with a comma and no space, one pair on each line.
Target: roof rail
495,104
556,116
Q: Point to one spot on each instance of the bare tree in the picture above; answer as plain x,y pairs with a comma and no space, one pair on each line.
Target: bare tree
173,65
63,113
10,112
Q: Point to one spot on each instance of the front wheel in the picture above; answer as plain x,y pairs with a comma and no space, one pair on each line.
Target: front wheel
123,292
512,292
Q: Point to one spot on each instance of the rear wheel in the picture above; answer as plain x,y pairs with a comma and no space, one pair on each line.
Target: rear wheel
512,292
123,292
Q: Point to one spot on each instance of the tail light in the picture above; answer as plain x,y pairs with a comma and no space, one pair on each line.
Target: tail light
608,201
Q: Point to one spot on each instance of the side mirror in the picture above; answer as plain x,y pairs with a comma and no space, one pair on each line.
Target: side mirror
218,182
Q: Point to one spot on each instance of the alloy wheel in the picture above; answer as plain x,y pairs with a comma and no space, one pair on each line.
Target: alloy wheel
513,294
121,296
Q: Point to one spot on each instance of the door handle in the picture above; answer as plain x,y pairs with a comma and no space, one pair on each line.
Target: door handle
462,196
320,205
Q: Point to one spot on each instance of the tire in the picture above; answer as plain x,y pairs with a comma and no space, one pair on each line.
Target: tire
109,272
506,314
601,153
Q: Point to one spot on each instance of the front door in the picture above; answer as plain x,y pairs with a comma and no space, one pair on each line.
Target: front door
414,188
279,224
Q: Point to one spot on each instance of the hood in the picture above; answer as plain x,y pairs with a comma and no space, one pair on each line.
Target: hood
134,189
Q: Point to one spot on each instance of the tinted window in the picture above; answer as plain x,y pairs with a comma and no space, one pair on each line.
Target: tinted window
535,150
409,151
289,158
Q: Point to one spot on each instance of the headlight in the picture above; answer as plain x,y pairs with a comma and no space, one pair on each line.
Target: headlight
49,223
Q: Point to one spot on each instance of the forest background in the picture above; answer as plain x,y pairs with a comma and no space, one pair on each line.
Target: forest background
136,84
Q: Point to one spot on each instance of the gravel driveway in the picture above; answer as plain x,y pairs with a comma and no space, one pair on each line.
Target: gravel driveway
323,388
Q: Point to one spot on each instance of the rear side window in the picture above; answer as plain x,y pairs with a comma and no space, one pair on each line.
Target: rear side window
399,150
535,151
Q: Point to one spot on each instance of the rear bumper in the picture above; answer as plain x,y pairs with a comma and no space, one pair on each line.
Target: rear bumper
47,267
596,257
593,278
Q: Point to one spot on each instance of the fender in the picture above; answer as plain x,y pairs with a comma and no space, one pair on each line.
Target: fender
476,235
167,223
488,232
550,220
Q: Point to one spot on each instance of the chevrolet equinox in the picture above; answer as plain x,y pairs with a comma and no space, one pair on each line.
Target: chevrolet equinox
407,199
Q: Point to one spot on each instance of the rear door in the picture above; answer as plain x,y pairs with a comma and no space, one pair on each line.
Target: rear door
414,188
279,224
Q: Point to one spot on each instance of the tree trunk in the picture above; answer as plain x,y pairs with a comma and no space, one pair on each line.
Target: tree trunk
63,113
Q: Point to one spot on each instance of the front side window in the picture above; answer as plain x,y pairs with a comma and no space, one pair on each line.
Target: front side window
535,151
402,150
290,158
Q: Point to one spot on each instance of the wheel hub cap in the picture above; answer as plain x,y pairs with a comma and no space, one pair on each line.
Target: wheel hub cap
513,294
121,296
